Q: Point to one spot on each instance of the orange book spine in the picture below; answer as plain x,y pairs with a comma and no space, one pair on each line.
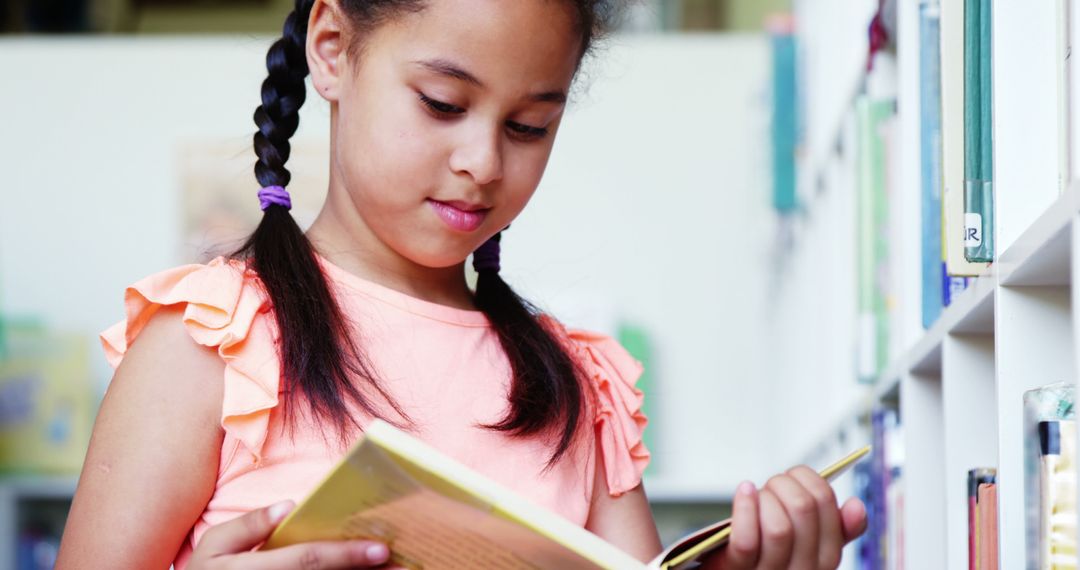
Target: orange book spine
988,527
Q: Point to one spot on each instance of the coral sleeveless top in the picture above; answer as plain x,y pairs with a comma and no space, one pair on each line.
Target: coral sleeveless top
444,367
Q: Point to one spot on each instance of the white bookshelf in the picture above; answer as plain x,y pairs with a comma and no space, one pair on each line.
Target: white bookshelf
958,384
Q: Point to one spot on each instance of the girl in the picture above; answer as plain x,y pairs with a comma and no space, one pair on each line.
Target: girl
240,383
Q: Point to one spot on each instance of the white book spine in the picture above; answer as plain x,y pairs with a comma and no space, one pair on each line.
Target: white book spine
1064,85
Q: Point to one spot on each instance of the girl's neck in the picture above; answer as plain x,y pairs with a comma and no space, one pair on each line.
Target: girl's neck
350,245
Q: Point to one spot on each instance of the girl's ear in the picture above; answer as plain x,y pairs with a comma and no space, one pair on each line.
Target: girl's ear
325,48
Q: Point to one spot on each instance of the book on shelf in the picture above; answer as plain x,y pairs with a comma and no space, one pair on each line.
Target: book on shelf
978,146
1057,494
938,287
3,327
954,74
952,286
784,125
436,513
1062,55
894,492
1068,91
982,519
36,550
1050,476
873,116
933,284
988,525
878,483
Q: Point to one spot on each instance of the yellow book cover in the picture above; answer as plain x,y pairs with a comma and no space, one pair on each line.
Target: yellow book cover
435,513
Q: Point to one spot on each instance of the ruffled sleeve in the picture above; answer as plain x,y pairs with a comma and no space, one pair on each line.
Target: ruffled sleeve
225,307
618,420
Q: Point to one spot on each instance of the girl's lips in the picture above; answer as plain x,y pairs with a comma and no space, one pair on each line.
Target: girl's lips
458,218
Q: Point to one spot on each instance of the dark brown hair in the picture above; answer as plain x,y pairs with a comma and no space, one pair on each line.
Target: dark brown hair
319,356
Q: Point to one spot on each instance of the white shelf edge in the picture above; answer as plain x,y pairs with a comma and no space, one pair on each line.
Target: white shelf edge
1040,244
975,304
971,312
885,387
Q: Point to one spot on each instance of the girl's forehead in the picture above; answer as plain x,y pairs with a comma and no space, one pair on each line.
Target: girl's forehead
494,40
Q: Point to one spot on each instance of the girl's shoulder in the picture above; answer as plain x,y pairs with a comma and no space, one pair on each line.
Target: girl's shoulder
222,306
601,357
219,300
217,296
611,374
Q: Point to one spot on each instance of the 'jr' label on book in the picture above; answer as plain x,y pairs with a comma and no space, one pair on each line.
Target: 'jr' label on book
973,229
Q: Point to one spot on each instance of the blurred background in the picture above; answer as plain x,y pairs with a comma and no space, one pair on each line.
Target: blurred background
263,16
680,213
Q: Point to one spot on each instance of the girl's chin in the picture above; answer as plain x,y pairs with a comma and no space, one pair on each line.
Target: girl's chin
440,260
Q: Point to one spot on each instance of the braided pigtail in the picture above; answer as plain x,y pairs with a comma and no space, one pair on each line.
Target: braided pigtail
546,394
317,356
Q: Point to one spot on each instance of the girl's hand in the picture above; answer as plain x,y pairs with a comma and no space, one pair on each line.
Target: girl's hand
228,545
792,522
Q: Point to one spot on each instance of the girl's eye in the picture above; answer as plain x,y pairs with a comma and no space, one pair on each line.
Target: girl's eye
526,132
440,108
523,132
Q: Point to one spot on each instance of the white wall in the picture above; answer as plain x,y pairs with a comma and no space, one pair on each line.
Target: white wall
656,202
654,207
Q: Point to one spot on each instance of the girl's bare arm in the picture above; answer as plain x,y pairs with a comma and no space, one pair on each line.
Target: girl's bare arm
152,463
625,521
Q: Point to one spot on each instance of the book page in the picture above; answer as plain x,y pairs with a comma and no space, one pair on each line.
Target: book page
427,530
427,523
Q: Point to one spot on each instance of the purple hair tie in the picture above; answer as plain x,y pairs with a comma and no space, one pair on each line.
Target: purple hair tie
274,195
486,257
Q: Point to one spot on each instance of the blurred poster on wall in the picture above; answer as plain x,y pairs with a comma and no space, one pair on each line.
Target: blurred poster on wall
47,401
218,192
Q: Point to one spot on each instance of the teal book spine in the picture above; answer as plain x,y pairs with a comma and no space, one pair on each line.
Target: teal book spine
972,116
986,139
784,121
978,148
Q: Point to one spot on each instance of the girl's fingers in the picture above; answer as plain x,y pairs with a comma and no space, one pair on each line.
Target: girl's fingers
742,550
801,509
317,556
853,517
244,532
830,531
230,542
777,533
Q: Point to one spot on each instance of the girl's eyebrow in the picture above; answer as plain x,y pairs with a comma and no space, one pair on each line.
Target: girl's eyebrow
452,70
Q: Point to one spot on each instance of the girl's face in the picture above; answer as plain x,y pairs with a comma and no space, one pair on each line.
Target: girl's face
443,119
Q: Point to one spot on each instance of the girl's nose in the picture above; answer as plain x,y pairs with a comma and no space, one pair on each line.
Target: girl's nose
480,157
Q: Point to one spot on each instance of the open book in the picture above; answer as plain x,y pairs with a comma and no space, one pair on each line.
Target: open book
435,513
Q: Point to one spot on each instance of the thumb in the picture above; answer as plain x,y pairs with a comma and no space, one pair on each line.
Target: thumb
245,532
853,517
